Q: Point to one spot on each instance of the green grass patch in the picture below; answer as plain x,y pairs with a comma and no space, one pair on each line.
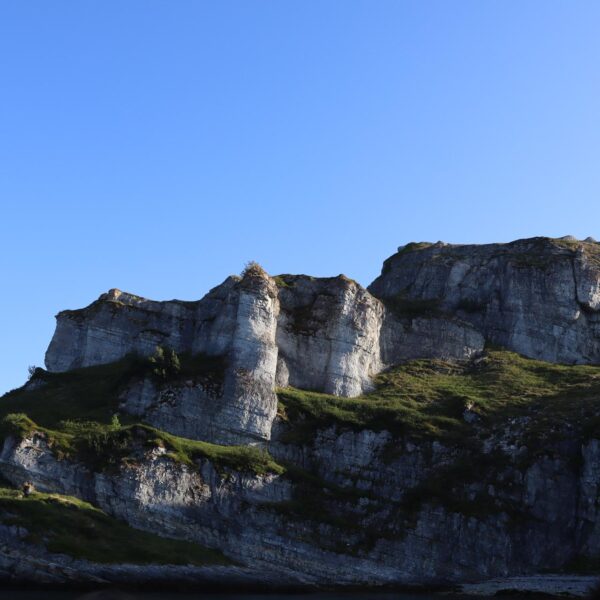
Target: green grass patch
414,247
92,393
427,398
66,525
76,412
238,458
102,447
404,307
284,281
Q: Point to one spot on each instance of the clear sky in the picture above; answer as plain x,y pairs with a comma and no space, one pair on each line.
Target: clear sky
156,146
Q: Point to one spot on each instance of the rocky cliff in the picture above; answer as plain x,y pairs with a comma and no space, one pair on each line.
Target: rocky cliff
318,432
539,297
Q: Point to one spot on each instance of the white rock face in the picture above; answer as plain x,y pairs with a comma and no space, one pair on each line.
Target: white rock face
328,335
250,403
115,325
321,334
539,297
246,515
587,279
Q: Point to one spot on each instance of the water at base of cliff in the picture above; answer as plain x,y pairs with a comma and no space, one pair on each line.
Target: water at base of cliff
117,595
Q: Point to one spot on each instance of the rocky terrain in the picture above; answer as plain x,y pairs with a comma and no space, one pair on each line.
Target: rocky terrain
441,426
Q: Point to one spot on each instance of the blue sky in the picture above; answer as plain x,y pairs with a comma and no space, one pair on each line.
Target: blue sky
156,146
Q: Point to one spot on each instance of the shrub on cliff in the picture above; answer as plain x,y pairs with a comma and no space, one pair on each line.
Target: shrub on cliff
165,363
253,269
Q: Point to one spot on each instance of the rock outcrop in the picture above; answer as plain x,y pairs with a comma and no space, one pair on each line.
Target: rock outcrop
327,334
539,297
352,503
540,512
115,325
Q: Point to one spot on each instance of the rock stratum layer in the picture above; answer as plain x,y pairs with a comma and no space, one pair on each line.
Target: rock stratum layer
401,449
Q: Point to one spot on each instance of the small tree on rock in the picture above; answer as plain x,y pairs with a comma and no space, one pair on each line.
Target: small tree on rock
166,363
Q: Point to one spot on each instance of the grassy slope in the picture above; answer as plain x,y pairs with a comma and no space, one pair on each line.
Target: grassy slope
70,526
425,398
104,446
92,393
75,410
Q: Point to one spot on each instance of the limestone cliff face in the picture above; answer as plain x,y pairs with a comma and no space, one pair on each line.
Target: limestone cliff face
353,505
235,321
115,325
542,510
321,334
539,297
328,335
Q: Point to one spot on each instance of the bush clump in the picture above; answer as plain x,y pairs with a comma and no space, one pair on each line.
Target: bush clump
253,269
165,363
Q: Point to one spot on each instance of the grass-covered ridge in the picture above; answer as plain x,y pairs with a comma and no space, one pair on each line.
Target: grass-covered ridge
92,393
76,411
89,393
66,525
106,446
422,398
532,404
428,398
